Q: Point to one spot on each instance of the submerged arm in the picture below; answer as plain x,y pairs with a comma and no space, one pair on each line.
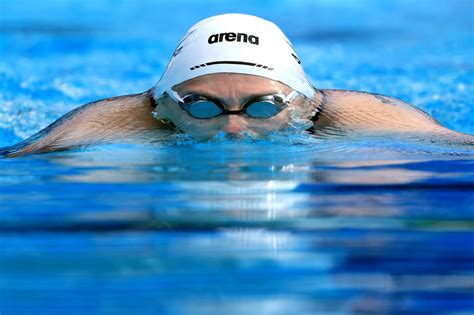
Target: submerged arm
103,121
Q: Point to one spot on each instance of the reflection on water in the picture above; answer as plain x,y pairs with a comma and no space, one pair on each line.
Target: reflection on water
240,270
238,228
297,226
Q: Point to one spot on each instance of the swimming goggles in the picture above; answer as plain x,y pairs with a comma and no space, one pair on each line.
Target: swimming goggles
202,107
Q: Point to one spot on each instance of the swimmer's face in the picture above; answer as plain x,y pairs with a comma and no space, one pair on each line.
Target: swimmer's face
233,91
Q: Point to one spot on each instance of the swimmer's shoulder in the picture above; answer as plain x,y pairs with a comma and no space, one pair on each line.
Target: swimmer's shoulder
93,123
362,111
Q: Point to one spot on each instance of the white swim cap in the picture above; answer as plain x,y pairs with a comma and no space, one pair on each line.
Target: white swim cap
235,43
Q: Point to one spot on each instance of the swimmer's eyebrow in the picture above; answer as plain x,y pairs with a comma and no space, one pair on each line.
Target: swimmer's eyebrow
244,98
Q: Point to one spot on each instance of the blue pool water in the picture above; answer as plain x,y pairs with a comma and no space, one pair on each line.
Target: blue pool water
290,225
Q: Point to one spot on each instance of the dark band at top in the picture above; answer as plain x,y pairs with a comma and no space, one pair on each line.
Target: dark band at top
251,64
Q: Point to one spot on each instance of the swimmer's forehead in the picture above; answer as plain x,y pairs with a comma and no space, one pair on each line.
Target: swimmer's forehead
220,84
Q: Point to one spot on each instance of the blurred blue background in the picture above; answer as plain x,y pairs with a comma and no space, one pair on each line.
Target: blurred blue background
299,226
56,55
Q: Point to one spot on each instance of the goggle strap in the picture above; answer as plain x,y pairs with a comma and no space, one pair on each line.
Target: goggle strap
290,97
174,95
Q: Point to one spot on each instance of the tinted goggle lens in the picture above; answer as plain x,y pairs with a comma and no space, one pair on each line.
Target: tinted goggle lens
209,109
204,109
262,109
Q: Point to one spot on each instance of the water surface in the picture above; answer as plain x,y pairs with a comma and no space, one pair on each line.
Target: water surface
292,225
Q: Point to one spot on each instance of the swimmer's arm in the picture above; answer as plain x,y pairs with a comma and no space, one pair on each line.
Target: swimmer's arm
99,122
352,111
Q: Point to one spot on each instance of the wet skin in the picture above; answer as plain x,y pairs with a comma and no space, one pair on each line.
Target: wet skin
233,91
130,117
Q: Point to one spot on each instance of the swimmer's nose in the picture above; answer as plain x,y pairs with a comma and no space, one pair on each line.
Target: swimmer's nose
234,124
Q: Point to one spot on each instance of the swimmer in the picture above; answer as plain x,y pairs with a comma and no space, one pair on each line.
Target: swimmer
237,74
